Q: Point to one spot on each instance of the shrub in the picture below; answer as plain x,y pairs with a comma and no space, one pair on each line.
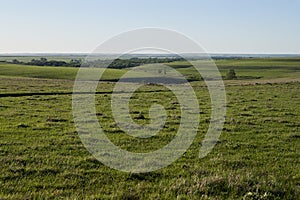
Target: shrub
231,75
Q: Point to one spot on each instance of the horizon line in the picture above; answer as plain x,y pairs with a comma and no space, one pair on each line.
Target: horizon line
147,53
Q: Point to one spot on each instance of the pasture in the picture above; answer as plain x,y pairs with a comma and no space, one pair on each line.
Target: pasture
256,157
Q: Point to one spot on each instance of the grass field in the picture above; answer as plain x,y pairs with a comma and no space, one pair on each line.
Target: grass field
28,58
255,68
68,73
256,157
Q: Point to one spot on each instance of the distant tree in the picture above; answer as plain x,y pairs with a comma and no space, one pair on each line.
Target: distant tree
75,63
231,75
43,60
36,62
55,63
15,61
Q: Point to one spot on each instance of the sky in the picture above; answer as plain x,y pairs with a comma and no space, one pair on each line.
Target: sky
220,26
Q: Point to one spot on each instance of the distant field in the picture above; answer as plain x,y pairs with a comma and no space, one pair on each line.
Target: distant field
69,73
256,68
65,58
267,68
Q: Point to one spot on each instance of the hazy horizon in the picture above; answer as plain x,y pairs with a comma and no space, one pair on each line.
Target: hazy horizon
89,53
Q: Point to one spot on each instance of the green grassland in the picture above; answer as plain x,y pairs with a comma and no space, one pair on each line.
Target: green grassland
66,58
256,157
255,68
267,68
68,73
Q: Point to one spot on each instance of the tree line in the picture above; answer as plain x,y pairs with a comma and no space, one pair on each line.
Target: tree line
100,63
46,62
127,63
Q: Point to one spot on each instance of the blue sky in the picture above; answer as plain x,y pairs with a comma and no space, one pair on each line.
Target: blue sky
220,26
